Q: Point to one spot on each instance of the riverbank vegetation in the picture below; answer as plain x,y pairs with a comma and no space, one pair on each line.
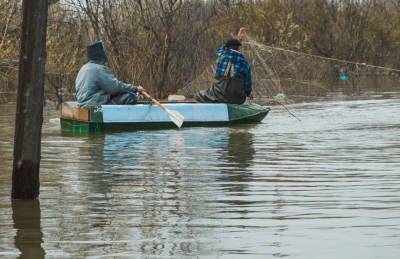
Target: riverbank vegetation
165,45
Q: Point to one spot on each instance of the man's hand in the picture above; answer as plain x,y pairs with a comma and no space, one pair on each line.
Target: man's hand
241,33
140,89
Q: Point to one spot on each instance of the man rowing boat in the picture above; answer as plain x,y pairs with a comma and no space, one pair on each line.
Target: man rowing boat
96,84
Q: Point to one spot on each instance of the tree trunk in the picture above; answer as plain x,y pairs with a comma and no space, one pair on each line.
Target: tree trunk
161,90
29,114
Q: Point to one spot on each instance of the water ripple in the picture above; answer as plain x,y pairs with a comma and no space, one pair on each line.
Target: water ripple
317,188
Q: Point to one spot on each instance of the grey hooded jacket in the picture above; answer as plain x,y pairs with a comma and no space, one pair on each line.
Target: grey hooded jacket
96,84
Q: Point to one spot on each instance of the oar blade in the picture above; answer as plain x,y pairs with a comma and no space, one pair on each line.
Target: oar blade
176,117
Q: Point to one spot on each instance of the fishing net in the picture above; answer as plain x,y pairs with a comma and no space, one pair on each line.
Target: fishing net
278,73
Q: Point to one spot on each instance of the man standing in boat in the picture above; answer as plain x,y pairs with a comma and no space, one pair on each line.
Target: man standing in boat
232,76
96,84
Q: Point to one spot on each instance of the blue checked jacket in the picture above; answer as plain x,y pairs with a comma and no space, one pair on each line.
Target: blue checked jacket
241,68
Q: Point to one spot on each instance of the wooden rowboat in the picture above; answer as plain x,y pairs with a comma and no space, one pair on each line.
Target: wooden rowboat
149,116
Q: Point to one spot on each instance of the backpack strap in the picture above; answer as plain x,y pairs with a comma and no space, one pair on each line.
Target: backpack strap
228,71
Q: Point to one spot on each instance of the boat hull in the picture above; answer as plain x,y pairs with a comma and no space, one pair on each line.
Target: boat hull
148,116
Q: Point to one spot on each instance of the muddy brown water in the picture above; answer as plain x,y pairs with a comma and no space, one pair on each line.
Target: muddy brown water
327,186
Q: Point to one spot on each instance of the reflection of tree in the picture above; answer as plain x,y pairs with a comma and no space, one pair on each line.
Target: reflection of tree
28,239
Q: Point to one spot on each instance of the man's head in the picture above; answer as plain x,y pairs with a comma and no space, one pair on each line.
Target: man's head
233,43
96,52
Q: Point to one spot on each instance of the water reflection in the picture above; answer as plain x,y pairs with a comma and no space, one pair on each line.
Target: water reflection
240,149
238,153
29,238
143,185
158,205
274,189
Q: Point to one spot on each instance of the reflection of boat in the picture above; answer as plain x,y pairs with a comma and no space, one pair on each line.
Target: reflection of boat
145,115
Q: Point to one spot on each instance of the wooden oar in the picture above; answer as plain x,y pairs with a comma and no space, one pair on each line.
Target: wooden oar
175,116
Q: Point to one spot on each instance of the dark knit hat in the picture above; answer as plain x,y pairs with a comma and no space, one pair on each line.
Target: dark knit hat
96,51
232,42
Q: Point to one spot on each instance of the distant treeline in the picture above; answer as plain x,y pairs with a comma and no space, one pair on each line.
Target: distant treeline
164,44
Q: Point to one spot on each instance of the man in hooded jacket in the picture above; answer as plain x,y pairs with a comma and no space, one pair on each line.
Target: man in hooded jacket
95,84
232,75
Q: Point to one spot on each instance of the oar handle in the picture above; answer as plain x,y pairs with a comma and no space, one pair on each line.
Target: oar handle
153,100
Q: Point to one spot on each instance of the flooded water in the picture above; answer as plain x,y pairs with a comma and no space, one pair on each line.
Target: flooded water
327,186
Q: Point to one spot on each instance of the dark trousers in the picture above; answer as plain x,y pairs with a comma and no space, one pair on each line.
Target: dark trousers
123,98
224,90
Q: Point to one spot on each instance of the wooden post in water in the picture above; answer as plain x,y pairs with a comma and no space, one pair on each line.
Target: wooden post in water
29,115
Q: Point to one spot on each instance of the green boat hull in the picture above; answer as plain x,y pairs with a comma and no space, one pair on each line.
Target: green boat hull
238,114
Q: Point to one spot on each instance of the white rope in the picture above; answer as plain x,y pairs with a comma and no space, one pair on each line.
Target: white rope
262,46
